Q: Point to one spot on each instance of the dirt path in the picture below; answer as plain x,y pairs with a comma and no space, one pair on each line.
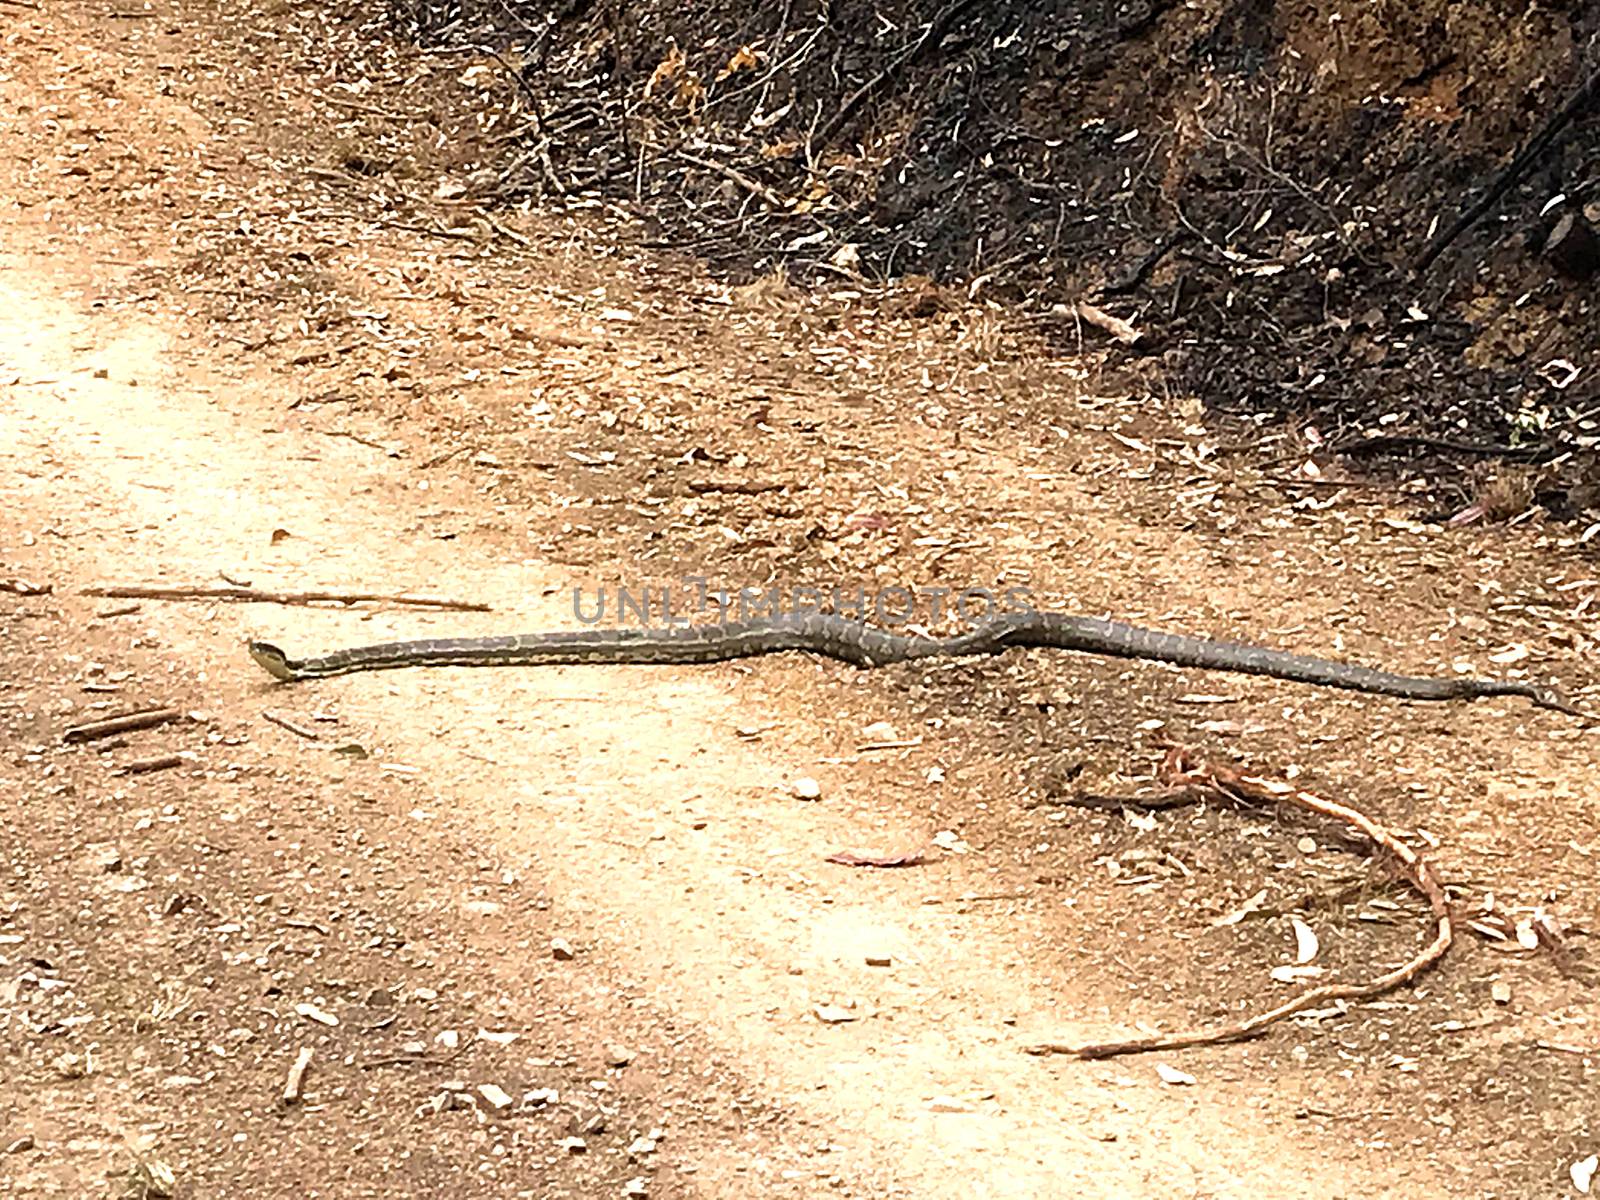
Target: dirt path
207,374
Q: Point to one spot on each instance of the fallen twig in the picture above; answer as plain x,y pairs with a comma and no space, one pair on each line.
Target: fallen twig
1514,170
257,595
283,722
1183,770
1131,279
143,766
1375,442
735,487
852,858
935,32
145,719
23,587
754,187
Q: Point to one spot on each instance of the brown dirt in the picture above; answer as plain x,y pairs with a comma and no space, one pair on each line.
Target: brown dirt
225,352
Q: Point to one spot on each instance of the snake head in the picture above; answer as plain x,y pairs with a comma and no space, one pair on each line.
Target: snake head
273,660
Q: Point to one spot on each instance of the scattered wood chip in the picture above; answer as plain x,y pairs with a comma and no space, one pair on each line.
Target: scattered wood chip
1251,905
1118,328
312,1013
293,1086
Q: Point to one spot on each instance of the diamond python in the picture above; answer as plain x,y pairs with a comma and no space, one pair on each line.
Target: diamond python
864,645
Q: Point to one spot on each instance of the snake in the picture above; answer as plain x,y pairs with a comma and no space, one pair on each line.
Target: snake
861,644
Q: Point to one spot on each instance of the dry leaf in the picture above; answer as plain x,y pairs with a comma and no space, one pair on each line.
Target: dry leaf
745,58
1244,910
1305,941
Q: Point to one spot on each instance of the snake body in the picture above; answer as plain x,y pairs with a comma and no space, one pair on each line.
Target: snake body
863,645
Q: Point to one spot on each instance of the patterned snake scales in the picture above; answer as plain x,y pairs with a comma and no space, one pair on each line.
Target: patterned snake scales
863,645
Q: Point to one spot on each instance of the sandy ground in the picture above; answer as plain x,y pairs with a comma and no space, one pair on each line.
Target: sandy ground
227,357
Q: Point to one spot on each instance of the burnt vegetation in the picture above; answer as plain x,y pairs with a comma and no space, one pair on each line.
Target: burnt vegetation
1373,219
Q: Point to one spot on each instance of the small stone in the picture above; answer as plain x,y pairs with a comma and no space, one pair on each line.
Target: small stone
1582,1173
561,950
948,1104
879,731
1500,992
587,1118
413,1047
574,1145
448,1038
440,1102
69,1065
618,1055
539,1097
1306,845
380,998
425,994
637,1186
105,858
879,960
25,1142
641,1146
806,788
481,908
496,1098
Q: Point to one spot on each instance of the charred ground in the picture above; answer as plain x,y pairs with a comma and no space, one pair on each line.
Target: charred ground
1263,189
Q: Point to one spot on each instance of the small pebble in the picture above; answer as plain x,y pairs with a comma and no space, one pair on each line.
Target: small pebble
496,1098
